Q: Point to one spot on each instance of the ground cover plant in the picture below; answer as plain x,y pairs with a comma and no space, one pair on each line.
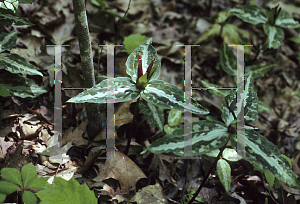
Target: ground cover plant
148,165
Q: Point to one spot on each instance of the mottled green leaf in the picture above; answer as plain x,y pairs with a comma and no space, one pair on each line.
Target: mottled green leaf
8,40
168,129
285,20
228,60
251,14
228,154
154,114
275,36
263,107
7,17
222,17
17,64
214,89
174,117
250,102
224,173
258,70
268,158
21,86
206,137
168,96
125,90
233,35
148,53
227,115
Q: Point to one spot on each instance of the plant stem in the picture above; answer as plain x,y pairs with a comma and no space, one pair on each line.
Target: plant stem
131,126
207,175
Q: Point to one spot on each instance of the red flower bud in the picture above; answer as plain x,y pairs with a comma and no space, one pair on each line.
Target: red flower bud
140,68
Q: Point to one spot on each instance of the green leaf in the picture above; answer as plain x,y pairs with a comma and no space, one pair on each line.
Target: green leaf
8,40
210,33
270,178
174,117
233,35
295,39
263,107
206,137
29,173
258,70
7,17
285,20
29,197
2,197
3,91
100,3
12,175
224,173
268,158
20,86
10,4
66,192
133,41
222,17
275,36
154,114
125,90
168,96
251,14
39,183
214,90
273,14
250,102
115,14
17,64
228,154
228,60
148,53
7,188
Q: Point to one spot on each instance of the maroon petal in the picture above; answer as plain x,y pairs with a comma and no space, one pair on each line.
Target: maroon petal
140,68
149,68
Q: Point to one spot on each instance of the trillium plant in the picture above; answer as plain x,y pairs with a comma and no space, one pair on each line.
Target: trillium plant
273,22
215,138
210,137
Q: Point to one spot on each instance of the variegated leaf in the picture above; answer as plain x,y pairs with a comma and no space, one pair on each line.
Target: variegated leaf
125,90
275,36
148,53
258,70
168,96
263,107
268,157
285,20
20,86
7,17
208,34
17,64
224,174
169,129
226,115
206,137
250,101
228,60
228,154
8,40
214,90
154,114
251,14
174,117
